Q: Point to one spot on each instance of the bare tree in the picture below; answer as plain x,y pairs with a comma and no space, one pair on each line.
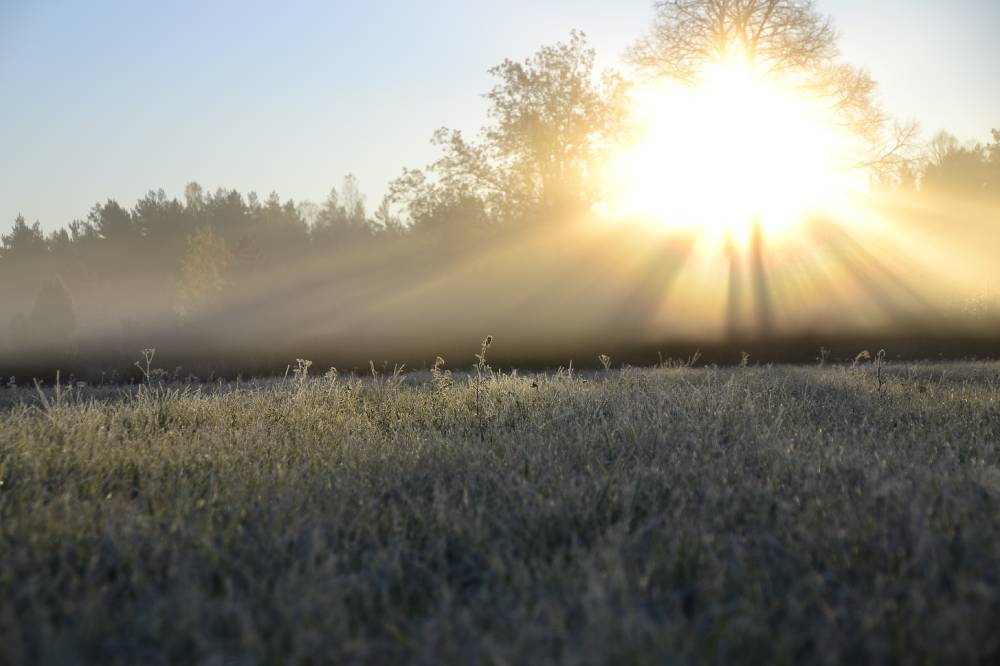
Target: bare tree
942,145
787,40
772,36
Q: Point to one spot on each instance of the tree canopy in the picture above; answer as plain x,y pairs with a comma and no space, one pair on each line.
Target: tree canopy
966,170
772,36
787,40
553,122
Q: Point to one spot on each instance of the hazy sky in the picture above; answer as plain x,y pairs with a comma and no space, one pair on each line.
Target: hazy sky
112,99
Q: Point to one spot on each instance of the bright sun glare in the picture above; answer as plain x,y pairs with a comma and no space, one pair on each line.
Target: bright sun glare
737,148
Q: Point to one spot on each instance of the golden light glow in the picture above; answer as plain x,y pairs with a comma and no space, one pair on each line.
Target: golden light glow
738,148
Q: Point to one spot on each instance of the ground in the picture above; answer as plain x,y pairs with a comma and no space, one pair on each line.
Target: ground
672,515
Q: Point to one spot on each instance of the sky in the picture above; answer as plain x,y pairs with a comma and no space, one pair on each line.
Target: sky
115,98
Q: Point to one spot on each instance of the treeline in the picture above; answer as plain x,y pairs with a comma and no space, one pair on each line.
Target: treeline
204,237
949,167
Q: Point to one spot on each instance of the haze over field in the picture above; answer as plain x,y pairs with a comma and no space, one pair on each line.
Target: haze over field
660,180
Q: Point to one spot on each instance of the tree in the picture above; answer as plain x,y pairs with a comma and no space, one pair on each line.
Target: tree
992,155
788,40
352,200
450,204
163,226
25,258
157,217
24,244
113,223
51,321
552,125
387,222
226,212
194,196
772,36
341,220
202,272
278,228
308,212
968,170
52,317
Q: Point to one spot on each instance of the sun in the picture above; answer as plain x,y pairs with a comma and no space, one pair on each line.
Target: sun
736,151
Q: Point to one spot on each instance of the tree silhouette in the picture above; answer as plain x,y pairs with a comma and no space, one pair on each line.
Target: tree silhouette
52,317
387,221
451,205
552,126
202,272
113,223
50,322
24,243
776,39
966,170
772,36
341,222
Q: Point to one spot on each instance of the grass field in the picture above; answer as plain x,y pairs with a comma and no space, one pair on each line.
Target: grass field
743,515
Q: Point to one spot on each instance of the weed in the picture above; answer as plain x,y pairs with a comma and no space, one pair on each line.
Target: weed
482,370
824,355
145,364
301,370
440,377
879,378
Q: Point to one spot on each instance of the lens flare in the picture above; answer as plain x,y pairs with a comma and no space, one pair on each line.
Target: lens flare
737,151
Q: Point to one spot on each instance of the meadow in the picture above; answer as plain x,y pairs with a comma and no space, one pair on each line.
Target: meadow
839,512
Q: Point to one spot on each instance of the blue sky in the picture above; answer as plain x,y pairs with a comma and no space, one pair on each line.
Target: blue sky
112,99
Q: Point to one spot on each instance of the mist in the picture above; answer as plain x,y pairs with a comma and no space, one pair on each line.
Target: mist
510,234
240,286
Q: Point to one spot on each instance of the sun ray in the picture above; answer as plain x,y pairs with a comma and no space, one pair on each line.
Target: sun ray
737,151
